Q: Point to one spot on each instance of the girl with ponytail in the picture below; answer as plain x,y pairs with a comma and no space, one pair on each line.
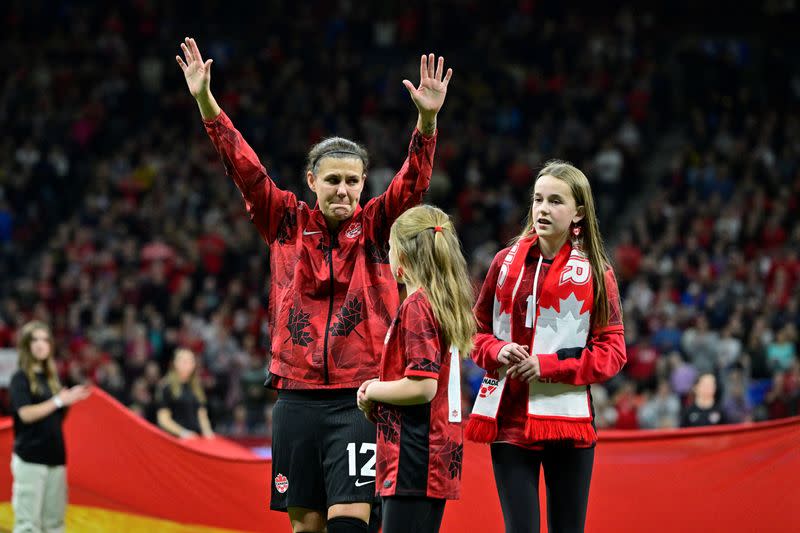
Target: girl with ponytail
418,395
549,325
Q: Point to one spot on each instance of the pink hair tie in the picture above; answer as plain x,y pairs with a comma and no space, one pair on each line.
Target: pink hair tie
437,229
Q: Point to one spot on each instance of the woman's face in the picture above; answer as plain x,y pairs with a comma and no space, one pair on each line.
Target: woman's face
338,184
184,364
41,345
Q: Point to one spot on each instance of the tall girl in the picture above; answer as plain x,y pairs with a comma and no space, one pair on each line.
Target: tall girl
549,325
417,400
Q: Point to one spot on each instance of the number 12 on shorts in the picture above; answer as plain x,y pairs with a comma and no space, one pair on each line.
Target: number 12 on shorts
352,461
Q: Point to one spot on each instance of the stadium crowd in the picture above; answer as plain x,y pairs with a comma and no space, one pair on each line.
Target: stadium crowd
124,234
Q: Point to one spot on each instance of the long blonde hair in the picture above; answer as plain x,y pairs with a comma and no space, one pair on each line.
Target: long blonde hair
433,260
590,242
27,361
174,381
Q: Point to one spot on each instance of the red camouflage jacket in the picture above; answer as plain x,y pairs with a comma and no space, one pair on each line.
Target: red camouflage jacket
332,295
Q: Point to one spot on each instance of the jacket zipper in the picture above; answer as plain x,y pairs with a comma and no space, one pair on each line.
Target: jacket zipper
333,244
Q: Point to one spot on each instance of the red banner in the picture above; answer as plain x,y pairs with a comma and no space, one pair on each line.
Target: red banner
123,470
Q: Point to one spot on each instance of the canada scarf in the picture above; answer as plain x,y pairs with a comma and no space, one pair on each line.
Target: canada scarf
561,322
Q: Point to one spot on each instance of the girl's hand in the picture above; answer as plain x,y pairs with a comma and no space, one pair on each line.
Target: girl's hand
526,370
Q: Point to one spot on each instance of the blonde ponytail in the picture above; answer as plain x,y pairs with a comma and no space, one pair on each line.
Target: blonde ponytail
429,251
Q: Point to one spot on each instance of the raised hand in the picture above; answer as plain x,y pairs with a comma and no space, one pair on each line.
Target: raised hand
429,95
196,72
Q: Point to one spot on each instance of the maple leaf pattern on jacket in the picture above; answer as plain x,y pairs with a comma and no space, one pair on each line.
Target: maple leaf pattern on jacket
378,305
416,143
285,226
377,253
376,243
298,321
349,317
300,268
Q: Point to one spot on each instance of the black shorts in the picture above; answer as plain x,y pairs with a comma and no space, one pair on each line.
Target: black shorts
323,450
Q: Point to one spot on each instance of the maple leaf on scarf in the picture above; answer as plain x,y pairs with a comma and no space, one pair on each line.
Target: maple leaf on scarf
502,323
349,317
566,327
297,323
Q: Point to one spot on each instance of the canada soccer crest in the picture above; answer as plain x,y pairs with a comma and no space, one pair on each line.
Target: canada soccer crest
353,231
281,483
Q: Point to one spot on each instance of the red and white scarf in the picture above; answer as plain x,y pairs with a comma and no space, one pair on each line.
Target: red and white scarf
560,319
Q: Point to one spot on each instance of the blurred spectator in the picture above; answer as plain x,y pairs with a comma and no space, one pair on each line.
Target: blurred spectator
662,410
111,380
700,344
783,398
134,244
682,375
782,352
626,403
736,405
703,411
142,401
182,402
642,359
605,413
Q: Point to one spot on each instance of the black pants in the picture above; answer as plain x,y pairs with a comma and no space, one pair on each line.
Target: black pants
402,514
567,474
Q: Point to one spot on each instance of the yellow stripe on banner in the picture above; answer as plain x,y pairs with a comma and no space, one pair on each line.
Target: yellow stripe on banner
82,519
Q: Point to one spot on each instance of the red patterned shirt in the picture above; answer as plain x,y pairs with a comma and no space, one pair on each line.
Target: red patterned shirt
332,295
419,450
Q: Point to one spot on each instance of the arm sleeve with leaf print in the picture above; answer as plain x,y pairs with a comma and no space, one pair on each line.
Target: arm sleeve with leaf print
268,206
406,188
